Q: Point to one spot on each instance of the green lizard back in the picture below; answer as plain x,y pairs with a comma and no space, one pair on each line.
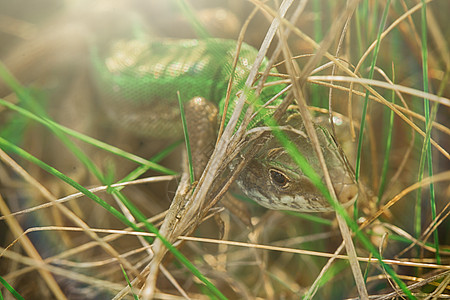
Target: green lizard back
137,80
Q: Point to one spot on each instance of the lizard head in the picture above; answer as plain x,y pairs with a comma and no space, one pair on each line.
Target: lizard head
274,180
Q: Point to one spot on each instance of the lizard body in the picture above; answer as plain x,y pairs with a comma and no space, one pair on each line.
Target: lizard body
138,80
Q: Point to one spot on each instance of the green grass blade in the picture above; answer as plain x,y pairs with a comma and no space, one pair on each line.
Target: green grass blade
388,146
129,283
186,139
10,289
427,142
309,217
366,98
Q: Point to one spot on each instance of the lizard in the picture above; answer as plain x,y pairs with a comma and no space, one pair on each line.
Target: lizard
137,81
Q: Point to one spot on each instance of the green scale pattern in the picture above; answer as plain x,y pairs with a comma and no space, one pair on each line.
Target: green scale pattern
137,80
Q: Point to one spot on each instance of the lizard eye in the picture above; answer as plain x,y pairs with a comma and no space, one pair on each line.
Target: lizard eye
279,178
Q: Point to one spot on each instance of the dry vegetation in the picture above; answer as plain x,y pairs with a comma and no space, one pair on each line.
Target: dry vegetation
56,243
